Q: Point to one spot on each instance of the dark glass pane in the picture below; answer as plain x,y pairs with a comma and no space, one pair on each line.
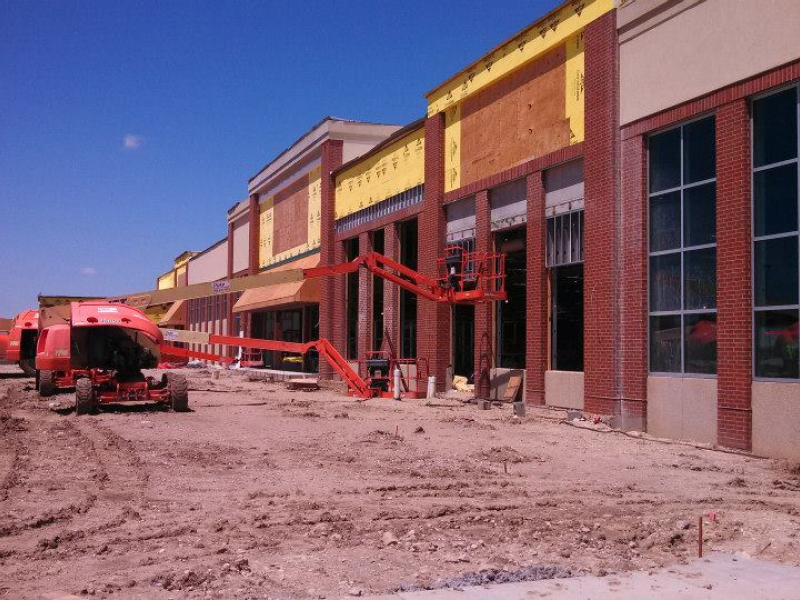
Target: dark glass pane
665,344
665,160
551,241
665,282
700,215
775,128
700,278
776,344
700,343
699,151
775,200
665,222
775,267
575,238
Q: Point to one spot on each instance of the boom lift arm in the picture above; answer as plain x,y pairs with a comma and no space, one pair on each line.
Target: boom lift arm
463,277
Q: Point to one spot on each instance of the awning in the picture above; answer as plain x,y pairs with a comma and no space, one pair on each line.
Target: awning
176,315
283,294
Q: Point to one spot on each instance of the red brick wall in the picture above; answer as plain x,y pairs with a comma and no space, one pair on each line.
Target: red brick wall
433,328
601,343
537,292
364,299
255,224
734,282
484,313
331,305
633,281
391,293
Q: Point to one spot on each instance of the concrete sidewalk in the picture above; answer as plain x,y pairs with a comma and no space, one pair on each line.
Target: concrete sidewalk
717,577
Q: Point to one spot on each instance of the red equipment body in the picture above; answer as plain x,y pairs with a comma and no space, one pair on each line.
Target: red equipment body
463,276
101,352
19,345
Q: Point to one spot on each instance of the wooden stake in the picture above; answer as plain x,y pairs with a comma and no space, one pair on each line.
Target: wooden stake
700,537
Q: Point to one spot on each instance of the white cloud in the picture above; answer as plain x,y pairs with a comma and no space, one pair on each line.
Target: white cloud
88,271
132,142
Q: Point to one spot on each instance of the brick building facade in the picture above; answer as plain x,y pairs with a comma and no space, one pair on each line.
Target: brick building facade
626,162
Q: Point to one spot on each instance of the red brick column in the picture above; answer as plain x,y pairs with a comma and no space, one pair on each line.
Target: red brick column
601,343
734,281
484,313
255,235
391,293
253,250
331,305
364,298
537,296
433,318
230,297
633,322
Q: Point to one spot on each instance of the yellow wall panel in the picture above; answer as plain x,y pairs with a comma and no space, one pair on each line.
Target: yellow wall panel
266,218
314,207
452,148
534,41
574,88
166,281
266,255
397,168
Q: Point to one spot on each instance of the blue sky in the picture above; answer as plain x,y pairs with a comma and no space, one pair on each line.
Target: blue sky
127,129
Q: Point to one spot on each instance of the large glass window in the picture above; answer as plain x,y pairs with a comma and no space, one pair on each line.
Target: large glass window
683,249
776,284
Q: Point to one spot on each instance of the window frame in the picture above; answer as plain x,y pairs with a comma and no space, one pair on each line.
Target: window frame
754,238
681,250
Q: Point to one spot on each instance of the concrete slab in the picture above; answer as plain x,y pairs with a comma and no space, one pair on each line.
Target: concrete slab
717,577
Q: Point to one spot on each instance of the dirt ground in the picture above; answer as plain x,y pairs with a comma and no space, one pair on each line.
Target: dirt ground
260,492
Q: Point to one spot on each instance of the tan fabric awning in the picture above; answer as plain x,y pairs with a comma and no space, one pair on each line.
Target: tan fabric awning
176,315
283,294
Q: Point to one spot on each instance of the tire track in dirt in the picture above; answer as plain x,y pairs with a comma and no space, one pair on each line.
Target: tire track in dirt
91,468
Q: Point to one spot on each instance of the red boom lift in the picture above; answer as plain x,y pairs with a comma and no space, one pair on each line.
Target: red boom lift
101,347
19,344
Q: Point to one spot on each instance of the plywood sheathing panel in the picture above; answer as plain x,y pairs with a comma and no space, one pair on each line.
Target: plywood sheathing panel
519,118
290,216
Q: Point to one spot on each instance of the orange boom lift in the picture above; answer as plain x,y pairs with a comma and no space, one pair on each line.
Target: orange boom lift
101,347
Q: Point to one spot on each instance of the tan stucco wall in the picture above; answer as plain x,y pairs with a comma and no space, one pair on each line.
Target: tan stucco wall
673,51
241,244
776,419
682,408
564,389
210,265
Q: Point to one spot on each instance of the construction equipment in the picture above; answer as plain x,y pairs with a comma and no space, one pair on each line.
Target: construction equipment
470,277
100,349
18,345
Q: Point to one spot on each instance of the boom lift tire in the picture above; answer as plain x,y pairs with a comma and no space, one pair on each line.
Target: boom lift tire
178,392
84,396
47,384
28,366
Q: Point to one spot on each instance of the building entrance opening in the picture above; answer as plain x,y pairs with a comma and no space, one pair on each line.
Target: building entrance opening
567,322
464,340
565,260
511,314
407,231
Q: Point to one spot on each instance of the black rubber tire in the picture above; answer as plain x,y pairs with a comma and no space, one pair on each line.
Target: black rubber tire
84,396
28,366
178,392
47,384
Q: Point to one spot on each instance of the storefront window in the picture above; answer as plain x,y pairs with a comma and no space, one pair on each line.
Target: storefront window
683,249
776,279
